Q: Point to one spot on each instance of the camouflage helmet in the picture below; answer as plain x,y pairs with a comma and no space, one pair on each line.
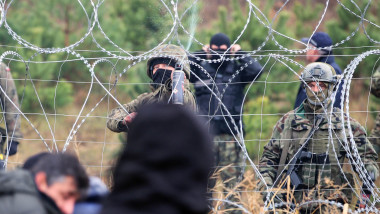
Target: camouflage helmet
172,52
319,72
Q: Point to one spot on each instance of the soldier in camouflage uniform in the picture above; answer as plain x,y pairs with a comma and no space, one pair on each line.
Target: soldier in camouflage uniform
159,69
10,113
374,138
294,128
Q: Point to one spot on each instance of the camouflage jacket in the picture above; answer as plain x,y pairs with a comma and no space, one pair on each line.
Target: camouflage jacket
375,88
162,94
10,113
374,138
292,127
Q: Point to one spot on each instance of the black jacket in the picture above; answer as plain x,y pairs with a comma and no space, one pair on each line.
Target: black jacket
232,97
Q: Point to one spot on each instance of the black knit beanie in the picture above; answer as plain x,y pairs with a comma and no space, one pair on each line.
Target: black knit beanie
220,39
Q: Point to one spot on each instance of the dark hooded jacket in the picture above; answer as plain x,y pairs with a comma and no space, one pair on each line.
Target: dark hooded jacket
233,97
301,95
164,168
19,195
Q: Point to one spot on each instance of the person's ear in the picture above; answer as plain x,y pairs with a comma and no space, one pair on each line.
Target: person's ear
41,182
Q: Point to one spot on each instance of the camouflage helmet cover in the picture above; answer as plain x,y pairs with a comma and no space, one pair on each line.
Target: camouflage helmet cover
172,52
320,72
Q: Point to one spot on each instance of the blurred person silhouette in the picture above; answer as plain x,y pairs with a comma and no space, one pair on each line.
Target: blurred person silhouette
237,74
165,166
91,203
49,184
324,54
374,138
9,104
160,69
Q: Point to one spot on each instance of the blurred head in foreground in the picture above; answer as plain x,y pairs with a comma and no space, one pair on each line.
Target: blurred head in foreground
165,165
59,177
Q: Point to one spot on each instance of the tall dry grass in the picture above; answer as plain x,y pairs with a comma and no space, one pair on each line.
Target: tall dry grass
245,197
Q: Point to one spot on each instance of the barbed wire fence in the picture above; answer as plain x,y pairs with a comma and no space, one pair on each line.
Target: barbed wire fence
282,55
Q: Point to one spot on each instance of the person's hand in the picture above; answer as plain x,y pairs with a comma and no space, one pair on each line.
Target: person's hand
12,147
206,49
171,76
129,118
235,48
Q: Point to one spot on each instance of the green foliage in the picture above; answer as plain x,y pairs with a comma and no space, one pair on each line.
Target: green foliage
45,25
61,23
256,118
306,13
340,28
50,97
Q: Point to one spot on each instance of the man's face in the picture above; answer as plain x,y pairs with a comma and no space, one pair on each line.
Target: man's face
63,192
312,54
318,91
162,66
317,86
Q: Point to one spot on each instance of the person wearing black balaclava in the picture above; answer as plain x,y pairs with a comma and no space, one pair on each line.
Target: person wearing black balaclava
165,166
236,74
159,69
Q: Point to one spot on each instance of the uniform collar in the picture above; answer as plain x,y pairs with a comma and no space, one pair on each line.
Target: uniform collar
302,119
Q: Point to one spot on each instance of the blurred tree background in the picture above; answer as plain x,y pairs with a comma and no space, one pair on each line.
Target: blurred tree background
137,26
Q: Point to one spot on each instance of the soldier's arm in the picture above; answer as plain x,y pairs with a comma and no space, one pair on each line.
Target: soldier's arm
117,115
12,116
366,151
271,156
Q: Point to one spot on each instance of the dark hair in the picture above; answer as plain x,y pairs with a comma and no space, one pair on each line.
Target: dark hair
165,165
33,160
61,164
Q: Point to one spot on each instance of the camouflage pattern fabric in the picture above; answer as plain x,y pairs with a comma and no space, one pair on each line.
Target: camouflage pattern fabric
375,87
375,90
292,127
374,138
11,114
161,94
229,160
173,52
228,155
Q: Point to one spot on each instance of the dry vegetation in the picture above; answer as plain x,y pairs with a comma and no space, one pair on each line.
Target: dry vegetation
250,199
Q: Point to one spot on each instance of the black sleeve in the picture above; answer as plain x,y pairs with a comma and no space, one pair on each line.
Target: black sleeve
194,69
253,69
